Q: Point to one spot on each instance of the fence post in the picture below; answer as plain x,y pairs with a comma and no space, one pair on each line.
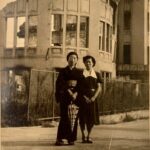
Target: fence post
114,103
123,100
28,111
131,97
104,82
53,97
103,92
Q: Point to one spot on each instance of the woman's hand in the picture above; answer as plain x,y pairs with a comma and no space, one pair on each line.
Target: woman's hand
87,99
93,99
74,96
98,90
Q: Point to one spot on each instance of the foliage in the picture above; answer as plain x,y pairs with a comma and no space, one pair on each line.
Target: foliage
37,100
121,96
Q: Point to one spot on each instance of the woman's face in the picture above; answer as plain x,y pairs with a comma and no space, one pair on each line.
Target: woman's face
89,64
72,60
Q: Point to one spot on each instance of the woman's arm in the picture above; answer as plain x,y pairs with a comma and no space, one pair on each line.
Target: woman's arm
73,95
60,86
98,90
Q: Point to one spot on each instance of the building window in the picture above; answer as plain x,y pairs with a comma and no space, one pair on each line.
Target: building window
100,41
107,38
127,54
106,75
20,32
57,30
111,33
127,20
32,32
10,33
17,80
127,5
127,14
102,36
114,15
84,31
71,31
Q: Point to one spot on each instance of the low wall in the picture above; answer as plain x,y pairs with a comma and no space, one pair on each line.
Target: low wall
124,117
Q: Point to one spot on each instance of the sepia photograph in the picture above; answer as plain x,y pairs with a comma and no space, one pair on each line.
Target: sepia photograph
74,74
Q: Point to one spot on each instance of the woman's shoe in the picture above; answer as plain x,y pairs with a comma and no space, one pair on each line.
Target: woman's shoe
59,143
89,140
83,139
70,142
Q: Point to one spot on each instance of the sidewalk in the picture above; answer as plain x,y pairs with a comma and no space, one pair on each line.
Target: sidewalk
130,135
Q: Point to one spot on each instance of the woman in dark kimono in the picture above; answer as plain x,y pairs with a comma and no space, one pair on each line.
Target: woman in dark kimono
66,94
89,89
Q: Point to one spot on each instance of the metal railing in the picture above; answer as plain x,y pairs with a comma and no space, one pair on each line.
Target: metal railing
38,99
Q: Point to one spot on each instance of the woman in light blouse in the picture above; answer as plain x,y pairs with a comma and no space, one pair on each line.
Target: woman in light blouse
89,89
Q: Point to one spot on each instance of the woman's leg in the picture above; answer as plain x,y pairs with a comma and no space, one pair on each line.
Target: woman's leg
89,129
83,135
82,127
90,121
82,120
63,128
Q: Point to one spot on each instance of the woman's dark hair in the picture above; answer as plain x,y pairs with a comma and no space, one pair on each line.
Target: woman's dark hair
89,57
72,53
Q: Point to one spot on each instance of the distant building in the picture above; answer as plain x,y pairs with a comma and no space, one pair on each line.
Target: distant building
133,39
38,34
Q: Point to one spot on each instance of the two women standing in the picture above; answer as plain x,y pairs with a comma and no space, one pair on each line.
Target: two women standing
81,88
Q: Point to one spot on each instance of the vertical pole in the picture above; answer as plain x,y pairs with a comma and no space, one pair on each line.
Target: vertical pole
28,111
53,94
113,99
104,89
123,103
131,97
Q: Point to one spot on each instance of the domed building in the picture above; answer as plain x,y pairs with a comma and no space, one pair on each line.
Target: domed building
39,34
36,35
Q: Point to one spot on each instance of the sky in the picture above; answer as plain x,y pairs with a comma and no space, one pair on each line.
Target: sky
4,2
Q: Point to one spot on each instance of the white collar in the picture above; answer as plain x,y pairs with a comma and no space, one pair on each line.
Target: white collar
87,73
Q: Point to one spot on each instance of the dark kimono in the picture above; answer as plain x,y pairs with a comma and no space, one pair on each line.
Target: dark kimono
67,79
88,112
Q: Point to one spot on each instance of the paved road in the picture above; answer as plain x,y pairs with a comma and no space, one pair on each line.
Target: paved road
124,136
